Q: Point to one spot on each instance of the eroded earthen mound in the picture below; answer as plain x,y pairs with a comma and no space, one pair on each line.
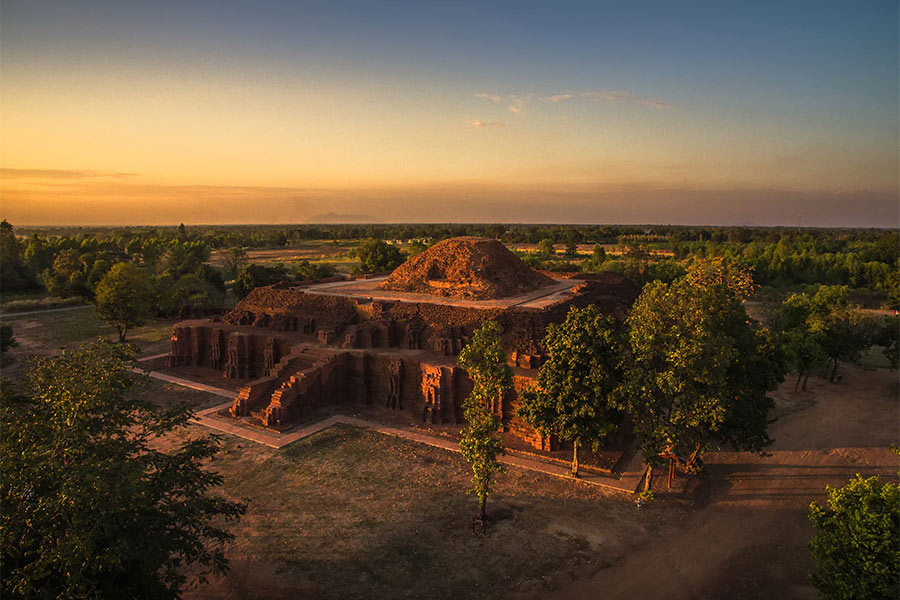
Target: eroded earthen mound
466,268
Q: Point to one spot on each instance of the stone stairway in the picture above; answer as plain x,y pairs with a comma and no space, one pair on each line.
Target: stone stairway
304,388
254,396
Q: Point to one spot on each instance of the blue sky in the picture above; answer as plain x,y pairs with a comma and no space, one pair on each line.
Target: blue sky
356,106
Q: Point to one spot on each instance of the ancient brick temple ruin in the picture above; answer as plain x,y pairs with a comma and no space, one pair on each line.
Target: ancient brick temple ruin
390,340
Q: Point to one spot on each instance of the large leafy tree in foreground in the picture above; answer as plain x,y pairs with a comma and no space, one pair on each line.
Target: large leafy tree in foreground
700,368
485,361
90,508
857,541
572,398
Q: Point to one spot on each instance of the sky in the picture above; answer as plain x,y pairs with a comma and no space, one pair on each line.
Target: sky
732,113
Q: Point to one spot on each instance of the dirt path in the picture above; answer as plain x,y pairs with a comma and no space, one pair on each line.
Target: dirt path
13,315
748,539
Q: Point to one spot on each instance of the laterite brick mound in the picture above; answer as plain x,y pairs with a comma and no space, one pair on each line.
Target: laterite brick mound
466,268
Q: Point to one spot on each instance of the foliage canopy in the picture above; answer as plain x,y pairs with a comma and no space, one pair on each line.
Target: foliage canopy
125,297
700,368
573,396
857,542
91,509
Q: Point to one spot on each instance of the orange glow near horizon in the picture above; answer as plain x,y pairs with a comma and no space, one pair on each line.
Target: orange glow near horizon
107,125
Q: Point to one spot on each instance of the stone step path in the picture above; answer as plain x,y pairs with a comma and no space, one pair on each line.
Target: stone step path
186,383
628,482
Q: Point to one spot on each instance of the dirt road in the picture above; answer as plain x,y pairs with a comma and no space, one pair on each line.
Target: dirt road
748,537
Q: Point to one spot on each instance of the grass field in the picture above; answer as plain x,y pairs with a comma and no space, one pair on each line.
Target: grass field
352,513
49,332
315,251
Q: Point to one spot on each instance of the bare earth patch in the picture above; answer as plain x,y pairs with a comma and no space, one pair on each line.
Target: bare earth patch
354,514
748,537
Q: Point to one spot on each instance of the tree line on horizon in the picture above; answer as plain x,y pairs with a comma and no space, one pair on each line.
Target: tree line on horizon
779,258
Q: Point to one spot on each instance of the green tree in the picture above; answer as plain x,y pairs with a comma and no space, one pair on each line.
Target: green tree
234,258
545,248
888,337
484,360
804,354
190,291
124,297
857,542
571,242
416,247
575,385
91,507
185,257
305,270
38,254
802,346
700,368
837,326
595,263
67,276
254,276
376,256
14,273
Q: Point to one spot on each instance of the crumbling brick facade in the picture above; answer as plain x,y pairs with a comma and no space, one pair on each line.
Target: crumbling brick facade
300,348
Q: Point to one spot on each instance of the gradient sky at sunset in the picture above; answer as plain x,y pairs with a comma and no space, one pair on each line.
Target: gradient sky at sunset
280,112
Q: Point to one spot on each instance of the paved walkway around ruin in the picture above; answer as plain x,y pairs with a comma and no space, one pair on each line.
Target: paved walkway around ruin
28,313
628,482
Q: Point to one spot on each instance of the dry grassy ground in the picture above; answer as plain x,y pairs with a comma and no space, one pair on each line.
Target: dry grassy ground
315,251
48,333
355,514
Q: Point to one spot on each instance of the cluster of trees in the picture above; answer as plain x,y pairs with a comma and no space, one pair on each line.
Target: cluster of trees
824,329
867,262
91,507
131,277
255,275
14,273
778,257
690,369
376,256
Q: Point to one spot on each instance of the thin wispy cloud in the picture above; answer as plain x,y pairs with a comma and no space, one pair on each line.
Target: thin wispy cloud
654,104
517,103
606,96
6,173
477,123
491,97
514,102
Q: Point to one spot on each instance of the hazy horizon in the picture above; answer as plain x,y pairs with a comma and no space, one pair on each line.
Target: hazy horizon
218,112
